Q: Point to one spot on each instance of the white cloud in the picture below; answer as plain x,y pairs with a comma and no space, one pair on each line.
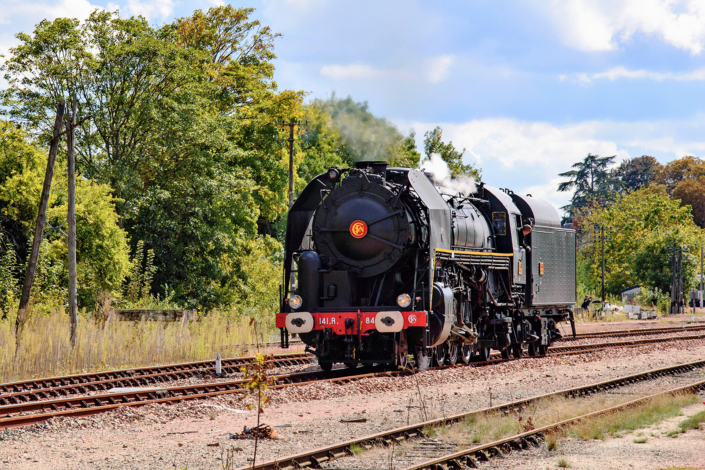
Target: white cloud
150,9
438,68
512,143
435,70
617,73
12,10
527,156
601,25
341,72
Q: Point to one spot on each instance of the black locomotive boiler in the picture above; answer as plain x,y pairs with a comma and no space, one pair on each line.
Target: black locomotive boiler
382,263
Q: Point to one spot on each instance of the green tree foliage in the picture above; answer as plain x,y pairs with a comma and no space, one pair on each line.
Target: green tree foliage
103,255
365,136
182,130
433,143
637,173
640,228
591,182
324,146
407,155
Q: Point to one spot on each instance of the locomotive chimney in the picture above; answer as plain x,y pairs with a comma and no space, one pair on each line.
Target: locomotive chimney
377,168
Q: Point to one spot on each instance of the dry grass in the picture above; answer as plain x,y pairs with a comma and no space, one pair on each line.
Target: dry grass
44,348
491,427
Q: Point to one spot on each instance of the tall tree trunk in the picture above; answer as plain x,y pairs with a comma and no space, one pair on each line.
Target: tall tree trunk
41,219
70,141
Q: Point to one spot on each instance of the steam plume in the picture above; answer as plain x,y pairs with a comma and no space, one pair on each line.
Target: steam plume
442,176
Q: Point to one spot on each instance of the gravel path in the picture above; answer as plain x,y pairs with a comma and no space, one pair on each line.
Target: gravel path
185,435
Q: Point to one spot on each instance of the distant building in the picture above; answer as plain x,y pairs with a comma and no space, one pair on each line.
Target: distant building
629,294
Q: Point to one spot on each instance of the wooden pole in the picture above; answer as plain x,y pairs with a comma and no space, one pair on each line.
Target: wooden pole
70,140
602,232
291,162
41,217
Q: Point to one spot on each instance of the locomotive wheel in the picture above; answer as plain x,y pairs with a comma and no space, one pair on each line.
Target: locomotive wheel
466,353
453,350
440,355
543,350
483,354
517,351
533,350
505,353
326,366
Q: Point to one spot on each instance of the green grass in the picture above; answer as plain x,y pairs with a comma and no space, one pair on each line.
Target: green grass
357,449
640,440
693,422
657,410
563,463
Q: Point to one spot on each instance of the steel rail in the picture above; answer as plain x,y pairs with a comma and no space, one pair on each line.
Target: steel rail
621,344
633,332
56,400
61,387
313,458
469,457
17,414
43,388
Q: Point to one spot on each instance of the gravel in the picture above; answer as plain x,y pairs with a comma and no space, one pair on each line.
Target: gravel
306,417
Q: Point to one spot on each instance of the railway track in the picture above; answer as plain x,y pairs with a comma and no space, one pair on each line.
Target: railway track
633,332
471,456
22,408
314,458
54,387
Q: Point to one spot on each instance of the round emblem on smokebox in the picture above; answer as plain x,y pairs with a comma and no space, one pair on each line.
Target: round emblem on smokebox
358,229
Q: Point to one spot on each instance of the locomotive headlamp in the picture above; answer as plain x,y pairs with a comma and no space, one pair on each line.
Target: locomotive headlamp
333,174
295,302
404,300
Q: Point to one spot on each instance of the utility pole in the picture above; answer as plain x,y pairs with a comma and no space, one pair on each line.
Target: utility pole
70,142
291,125
41,217
602,231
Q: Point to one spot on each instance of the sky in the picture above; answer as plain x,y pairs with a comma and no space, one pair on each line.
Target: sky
526,87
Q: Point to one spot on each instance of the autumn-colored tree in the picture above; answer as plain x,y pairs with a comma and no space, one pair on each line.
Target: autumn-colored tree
680,170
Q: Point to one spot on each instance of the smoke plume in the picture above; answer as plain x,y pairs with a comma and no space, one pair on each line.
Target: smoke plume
365,136
442,176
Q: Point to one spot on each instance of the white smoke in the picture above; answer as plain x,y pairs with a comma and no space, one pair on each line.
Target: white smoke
442,176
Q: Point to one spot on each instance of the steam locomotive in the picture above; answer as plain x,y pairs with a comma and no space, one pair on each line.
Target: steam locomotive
384,263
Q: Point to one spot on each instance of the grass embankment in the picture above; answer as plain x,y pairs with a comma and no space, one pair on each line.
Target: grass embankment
491,427
45,351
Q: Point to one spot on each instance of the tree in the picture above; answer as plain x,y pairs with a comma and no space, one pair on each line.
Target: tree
691,192
639,228
590,181
407,155
365,136
182,130
679,170
103,253
433,143
637,173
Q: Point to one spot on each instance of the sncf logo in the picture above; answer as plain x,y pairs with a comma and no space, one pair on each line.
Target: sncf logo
358,229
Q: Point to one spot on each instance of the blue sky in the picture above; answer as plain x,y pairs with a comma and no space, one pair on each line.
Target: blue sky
527,87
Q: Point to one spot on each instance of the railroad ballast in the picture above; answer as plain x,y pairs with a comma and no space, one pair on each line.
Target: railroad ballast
384,262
